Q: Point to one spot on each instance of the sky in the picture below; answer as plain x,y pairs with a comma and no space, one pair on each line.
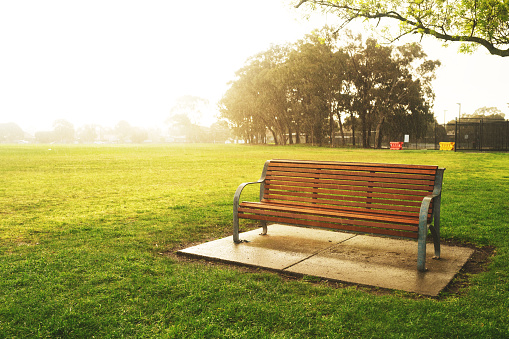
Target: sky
99,62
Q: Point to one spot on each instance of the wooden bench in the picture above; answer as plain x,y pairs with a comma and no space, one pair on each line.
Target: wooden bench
383,199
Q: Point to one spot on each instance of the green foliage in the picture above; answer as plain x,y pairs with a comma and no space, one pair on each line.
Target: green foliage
324,81
472,22
257,102
87,236
489,113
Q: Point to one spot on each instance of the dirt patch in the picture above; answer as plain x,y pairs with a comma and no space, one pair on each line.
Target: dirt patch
477,263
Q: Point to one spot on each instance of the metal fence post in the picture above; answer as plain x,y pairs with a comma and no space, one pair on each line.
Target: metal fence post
436,123
481,127
456,136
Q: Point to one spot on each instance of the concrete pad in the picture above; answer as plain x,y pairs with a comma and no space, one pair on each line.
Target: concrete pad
360,259
284,246
387,263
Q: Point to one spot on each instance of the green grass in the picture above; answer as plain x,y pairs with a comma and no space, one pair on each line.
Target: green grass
87,236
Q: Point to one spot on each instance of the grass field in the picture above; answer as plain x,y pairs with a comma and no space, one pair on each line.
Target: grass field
88,235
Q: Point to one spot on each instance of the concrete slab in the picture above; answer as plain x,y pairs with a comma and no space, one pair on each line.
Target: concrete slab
387,263
375,261
283,247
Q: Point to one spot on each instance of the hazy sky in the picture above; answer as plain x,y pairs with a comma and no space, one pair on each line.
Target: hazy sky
109,60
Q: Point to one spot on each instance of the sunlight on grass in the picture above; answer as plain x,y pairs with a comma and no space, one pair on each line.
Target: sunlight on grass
87,235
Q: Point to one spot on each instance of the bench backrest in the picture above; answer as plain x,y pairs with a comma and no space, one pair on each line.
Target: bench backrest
392,190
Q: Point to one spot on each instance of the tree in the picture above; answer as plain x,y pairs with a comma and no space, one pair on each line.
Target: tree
236,108
472,22
186,116
256,100
219,132
88,133
315,84
124,131
490,113
139,135
45,137
390,89
408,99
307,77
192,106
63,131
10,132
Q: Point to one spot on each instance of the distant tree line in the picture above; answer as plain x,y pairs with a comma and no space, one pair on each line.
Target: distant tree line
64,132
11,132
186,119
484,114
326,84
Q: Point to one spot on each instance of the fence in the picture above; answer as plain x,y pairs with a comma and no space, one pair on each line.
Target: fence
482,135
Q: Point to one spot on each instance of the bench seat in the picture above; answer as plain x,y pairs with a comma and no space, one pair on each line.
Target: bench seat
383,199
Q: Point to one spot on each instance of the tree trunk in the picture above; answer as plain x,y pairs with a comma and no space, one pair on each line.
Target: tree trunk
274,135
353,130
341,131
378,141
364,132
331,130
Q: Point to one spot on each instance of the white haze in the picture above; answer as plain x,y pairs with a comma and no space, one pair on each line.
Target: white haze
110,60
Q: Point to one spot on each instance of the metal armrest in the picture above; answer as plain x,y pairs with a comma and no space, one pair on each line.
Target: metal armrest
236,200
238,192
435,197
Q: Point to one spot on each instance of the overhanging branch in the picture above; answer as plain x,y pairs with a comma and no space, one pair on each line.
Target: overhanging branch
353,13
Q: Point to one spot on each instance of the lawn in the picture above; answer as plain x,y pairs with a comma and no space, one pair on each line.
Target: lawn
88,236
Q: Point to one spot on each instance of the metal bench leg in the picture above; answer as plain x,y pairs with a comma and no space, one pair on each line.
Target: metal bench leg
421,253
435,229
236,238
264,227
423,233
236,229
436,241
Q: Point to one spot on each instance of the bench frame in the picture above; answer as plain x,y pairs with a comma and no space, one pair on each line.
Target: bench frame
425,222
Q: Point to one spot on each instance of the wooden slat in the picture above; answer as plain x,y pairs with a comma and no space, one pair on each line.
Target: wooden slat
333,220
352,183
339,214
347,206
379,210
331,224
347,209
317,164
288,184
325,193
430,169
321,199
355,179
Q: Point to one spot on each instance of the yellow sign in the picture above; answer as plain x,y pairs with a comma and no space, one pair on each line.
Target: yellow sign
447,146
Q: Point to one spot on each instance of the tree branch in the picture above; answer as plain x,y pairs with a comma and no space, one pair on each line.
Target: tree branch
421,28
351,13
300,3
